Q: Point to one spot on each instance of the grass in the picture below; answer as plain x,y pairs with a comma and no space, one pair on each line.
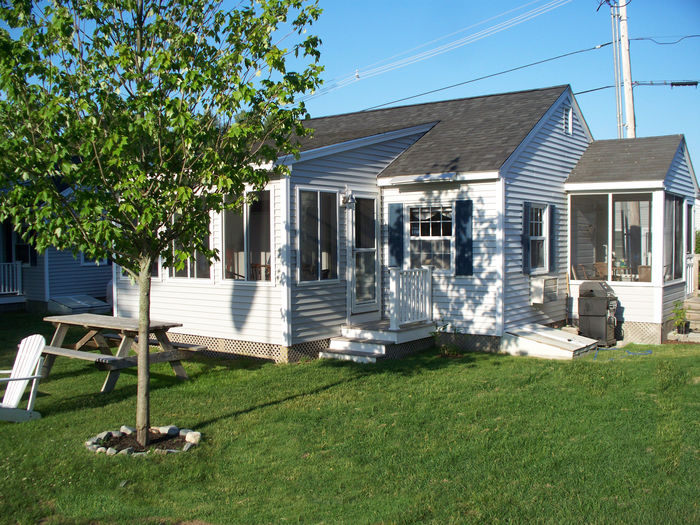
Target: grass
425,439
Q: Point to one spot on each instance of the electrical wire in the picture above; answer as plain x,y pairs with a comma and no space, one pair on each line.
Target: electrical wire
491,75
672,83
430,53
531,64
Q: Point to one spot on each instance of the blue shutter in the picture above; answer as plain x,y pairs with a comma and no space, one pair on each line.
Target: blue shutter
396,235
464,243
552,238
525,237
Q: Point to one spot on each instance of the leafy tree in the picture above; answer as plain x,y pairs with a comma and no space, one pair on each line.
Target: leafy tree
125,123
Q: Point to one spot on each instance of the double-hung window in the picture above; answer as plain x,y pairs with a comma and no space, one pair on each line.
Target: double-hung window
430,237
247,240
318,235
538,238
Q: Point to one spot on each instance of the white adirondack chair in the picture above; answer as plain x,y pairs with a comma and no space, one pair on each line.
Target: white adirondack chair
27,367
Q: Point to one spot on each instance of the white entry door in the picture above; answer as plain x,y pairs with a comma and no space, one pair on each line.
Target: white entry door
364,279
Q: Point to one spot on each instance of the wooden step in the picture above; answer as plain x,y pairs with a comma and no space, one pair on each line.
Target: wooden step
350,355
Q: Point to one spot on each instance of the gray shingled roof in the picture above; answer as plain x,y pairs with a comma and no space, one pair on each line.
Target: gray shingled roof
618,160
469,135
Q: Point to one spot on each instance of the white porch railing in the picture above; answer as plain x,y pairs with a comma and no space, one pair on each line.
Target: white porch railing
691,273
411,296
11,278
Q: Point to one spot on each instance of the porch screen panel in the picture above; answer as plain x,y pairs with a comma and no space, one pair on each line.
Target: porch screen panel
259,238
234,245
308,235
329,236
589,237
632,238
673,238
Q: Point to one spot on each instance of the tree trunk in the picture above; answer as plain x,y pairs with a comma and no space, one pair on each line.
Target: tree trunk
143,411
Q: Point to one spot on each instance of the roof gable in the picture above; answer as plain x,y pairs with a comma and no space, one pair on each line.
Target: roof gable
469,135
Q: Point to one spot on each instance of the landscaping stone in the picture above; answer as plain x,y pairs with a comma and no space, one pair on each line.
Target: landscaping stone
169,435
169,430
193,437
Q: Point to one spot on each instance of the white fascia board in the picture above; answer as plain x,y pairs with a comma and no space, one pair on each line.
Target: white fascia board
439,177
353,144
614,186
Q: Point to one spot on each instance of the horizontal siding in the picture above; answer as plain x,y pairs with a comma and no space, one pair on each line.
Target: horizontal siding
320,309
245,311
679,179
537,174
68,277
638,303
468,304
34,279
672,293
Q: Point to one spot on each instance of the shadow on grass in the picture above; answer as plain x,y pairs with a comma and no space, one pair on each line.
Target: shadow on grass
425,361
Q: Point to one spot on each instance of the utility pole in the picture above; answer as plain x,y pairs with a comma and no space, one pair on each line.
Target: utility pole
631,126
626,124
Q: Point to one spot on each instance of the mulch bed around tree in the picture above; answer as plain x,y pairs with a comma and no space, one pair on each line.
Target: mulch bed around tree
156,441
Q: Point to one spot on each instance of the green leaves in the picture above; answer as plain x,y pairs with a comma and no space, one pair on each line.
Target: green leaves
113,124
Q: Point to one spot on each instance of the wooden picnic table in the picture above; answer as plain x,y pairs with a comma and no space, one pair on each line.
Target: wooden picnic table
123,329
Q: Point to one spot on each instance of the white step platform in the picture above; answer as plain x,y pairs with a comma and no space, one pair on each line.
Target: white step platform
368,342
542,341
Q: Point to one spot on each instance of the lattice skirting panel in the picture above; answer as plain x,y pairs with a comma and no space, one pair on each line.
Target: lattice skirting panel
472,343
641,333
230,348
399,350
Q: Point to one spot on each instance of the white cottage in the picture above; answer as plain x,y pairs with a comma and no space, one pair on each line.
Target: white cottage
392,221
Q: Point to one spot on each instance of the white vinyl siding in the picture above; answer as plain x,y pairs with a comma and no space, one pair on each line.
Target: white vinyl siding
536,173
320,308
469,304
217,307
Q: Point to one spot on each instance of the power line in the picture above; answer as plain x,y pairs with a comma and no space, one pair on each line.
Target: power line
491,75
430,53
531,64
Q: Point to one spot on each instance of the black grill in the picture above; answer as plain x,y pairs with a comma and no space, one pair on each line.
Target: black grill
597,304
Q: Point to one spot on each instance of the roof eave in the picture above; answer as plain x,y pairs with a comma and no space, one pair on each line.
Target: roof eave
472,176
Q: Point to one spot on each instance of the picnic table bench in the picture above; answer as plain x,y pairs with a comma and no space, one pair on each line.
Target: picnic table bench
124,330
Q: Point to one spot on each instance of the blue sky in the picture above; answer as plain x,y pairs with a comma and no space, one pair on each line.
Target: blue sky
361,35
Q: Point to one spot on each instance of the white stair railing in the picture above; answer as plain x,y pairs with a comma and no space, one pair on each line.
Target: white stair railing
11,278
411,296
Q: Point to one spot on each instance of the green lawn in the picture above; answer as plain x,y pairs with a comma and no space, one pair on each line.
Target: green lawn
425,439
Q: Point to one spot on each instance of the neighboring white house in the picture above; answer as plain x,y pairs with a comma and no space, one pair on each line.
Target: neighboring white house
32,280
391,221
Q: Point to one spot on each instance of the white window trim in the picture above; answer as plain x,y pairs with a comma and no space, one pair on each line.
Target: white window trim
448,272
568,120
297,243
610,196
247,282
